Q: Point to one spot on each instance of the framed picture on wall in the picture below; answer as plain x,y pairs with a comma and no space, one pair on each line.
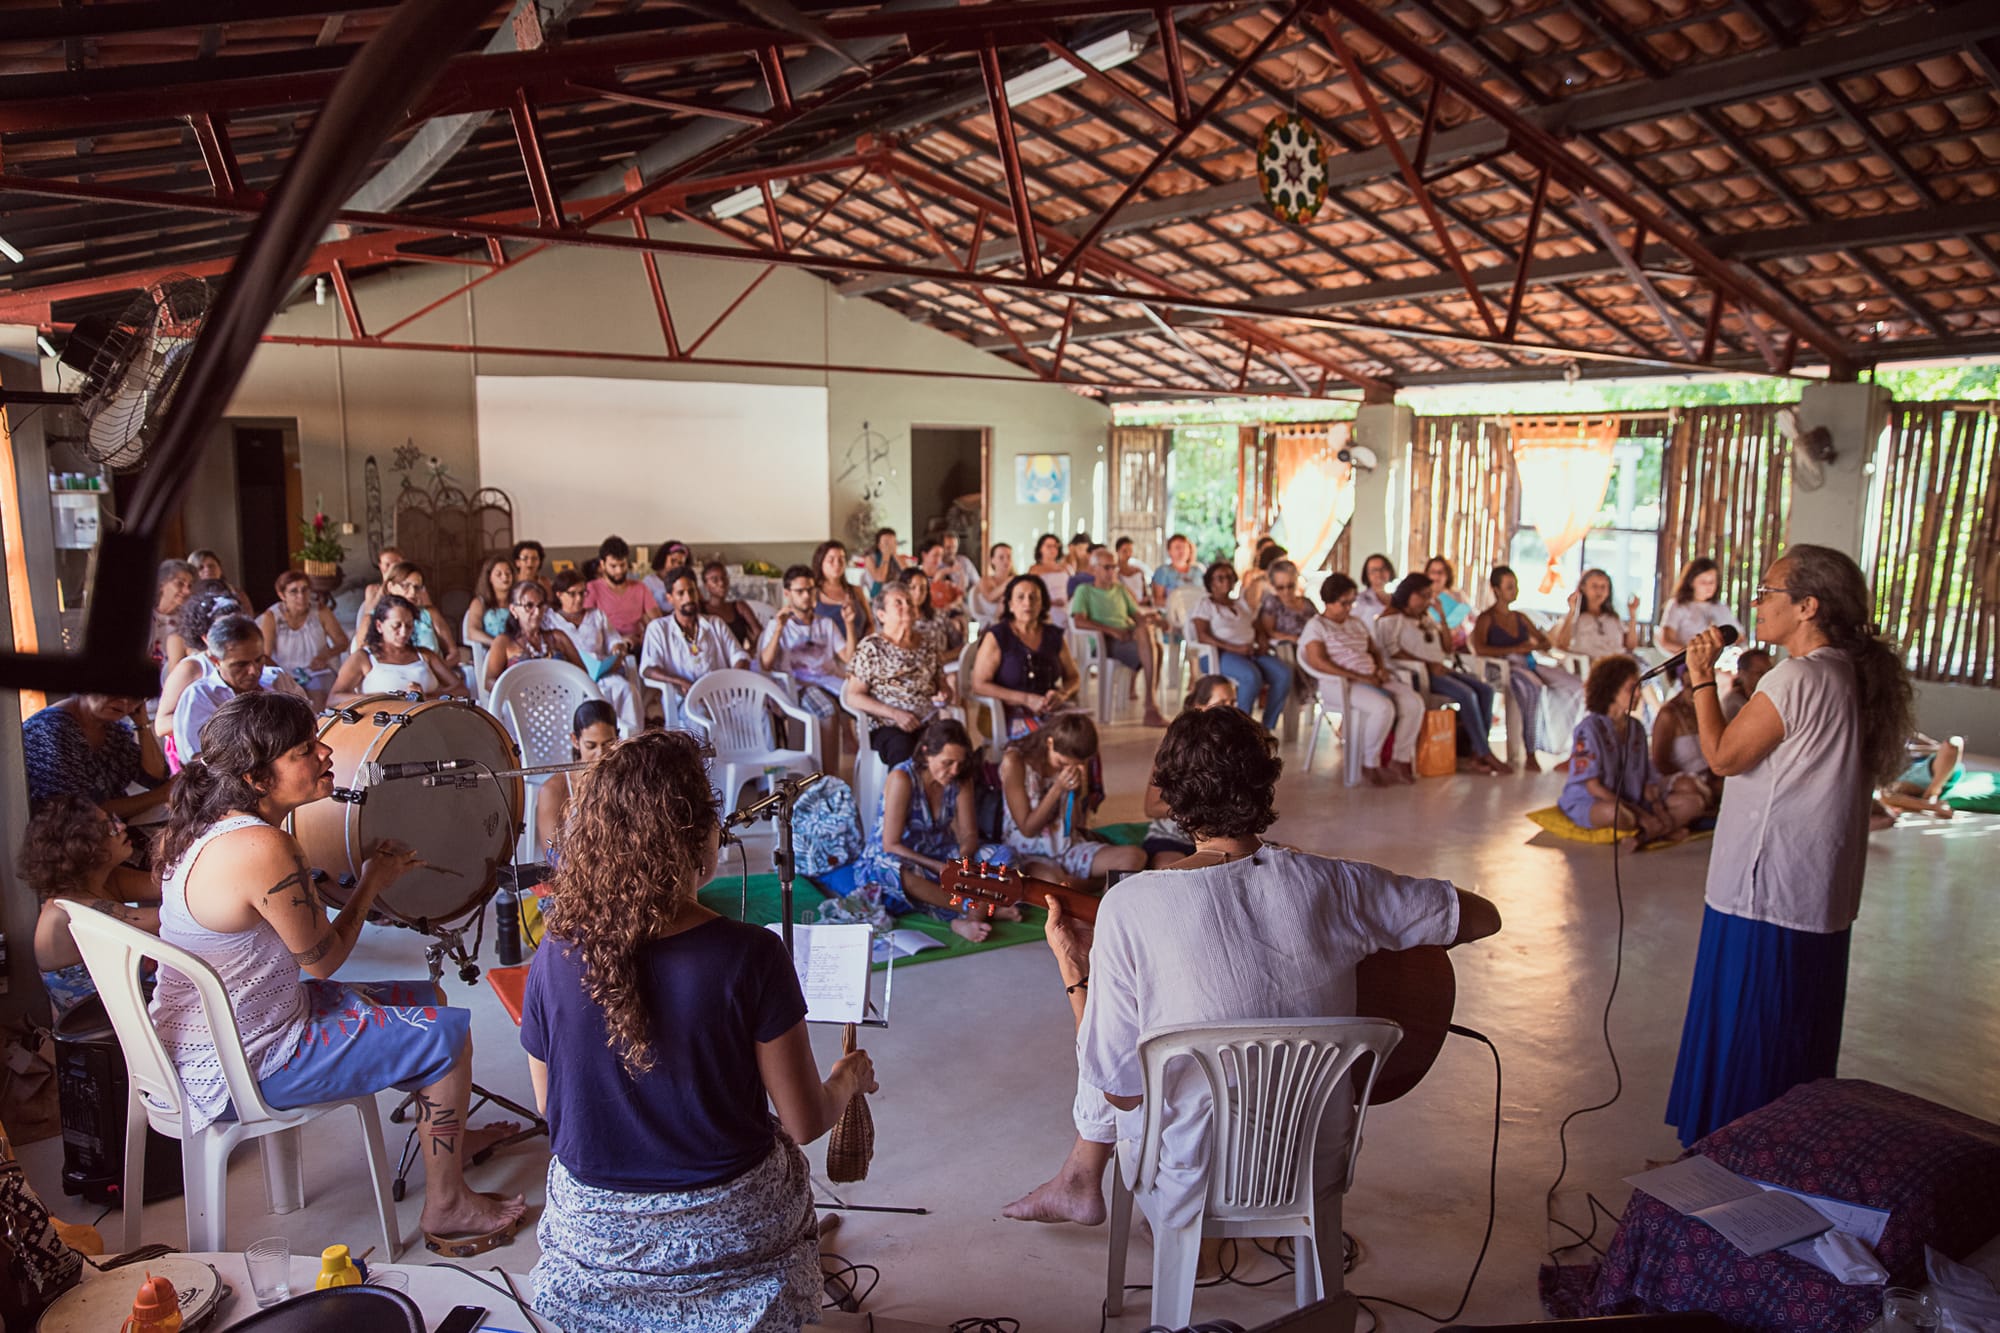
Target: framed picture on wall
1041,479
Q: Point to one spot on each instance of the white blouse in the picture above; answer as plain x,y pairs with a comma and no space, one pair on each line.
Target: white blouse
1230,621
1401,636
1599,635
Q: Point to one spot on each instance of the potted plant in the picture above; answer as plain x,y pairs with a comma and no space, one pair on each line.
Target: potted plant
322,553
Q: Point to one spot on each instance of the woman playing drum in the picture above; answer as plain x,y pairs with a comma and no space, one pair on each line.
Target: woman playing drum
237,892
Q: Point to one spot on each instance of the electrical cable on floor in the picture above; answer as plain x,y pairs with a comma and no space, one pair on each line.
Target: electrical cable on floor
840,1283
987,1324
513,1297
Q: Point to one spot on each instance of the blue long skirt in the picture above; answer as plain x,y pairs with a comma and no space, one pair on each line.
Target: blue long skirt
1763,1015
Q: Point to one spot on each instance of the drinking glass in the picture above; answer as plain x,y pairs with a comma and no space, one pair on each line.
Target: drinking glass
393,1281
1907,1311
270,1265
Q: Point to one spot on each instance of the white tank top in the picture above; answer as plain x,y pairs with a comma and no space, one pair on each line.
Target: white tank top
395,678
298,647
258,973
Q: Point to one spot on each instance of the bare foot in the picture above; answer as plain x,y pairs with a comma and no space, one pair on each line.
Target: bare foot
970,929
471,1215
1059,1201
1531,764
481,1137
1376,778
1155,718
1011,912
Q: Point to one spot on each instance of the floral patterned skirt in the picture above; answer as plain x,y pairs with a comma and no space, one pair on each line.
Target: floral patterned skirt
739,1257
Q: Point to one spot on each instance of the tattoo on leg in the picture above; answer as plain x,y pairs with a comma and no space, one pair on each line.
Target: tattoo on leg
443,1130
425,1107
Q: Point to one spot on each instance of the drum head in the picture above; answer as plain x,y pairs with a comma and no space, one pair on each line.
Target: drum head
104,1300
464,833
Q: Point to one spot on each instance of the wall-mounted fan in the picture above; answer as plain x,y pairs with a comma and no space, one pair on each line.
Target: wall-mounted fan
1812,451
131,366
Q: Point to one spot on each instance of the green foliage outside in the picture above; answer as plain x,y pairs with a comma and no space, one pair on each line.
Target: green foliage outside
1201,488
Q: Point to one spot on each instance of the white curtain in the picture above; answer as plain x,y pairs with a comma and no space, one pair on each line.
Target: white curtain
1312,490
1565,466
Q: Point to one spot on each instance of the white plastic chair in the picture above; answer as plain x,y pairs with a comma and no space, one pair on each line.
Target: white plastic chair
113,951
733,709
1180,603
1514,728
536,701
870,773
477,678
996,712
1271,1081
1090,649
1349,733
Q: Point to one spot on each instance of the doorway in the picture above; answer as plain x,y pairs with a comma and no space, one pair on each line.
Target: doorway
948,484
269,509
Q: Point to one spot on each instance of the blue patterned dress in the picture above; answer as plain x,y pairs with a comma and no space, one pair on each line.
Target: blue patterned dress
879,875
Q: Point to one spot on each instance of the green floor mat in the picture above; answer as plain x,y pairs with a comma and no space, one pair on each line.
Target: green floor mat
724,894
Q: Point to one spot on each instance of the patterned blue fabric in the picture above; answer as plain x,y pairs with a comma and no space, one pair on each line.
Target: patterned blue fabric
928,833
826,828
60,761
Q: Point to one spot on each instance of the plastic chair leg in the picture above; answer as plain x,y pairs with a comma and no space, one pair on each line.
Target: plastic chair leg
1176,1254
1351,755
1121,1241
135,1174
205,1180
284,1171
379,1174
1325,1244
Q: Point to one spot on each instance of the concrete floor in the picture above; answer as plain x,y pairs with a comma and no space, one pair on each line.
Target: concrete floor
977,1074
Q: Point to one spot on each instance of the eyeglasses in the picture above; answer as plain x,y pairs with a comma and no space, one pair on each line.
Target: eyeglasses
1286,586
800,587
1763,592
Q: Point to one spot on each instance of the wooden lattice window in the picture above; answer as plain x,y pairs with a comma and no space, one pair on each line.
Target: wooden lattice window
1725,492
1464,495
1936,539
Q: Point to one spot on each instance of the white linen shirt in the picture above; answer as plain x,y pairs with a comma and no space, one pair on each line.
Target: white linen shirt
1277,935
1687,619
1402,636
1597,636
1232,622
714,648
592,638
1791,843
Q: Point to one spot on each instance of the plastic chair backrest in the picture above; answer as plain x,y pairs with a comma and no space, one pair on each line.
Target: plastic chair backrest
730,706
113,951
1180,603
966,657
1270,1081
536,701
479,651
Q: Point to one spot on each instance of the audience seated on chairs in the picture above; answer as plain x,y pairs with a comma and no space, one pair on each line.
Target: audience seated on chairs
686,645
1053,571
667,555
1131,574
1166,841
1547,700
987,598
894,680
1591,625
386,559
811,649
235,658
1751,666
431,634
486,615
530,558
208,568
605,656
944,634
236,891
174,585
302,637
884,562
211,598
1242,653
76,851
189,655
1255,578
1105,606
389,660
1336,645
623,599
835,594
1676,746
1377,574
736,616
1182,946
528,637
1045,795
1284,610
1451,610
954,566
1179,572
1077,561
947,591
1406,632
1611,775
593,730
1024,661
661,1039
1694,607
95,746
926,818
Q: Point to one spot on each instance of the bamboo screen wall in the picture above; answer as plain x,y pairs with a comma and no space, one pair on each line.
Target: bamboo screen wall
1936,539
1724,492
1464,495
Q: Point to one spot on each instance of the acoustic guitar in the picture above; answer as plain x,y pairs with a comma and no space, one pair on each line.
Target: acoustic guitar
1415,988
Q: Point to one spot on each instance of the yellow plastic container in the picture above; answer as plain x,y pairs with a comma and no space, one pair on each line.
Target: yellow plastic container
336,1269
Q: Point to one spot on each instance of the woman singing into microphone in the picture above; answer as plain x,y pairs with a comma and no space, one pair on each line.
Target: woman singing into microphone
1784,883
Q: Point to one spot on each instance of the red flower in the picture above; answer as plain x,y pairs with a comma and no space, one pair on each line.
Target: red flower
319,522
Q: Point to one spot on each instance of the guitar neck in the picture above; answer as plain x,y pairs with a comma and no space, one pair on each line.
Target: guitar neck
990,887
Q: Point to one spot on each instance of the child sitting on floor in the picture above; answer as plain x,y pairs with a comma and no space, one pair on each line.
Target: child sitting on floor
1611,779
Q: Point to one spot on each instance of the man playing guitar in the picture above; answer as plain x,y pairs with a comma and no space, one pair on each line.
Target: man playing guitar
1240,929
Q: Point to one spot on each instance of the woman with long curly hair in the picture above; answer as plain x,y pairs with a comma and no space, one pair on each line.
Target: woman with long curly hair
1802,759
656,1032
75,851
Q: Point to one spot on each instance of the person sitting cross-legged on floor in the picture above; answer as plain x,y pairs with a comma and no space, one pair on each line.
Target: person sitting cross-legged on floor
1045,792
1239,930
1336,644
927,818
683,647
1105,606
1612,782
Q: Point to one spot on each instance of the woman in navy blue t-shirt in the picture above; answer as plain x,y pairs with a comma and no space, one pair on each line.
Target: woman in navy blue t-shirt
660,1038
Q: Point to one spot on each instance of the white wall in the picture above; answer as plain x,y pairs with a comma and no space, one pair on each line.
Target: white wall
351,403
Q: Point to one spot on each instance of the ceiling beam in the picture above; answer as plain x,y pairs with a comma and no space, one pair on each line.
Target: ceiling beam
1738,78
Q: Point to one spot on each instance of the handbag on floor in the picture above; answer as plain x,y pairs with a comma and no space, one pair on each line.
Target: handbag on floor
1437,752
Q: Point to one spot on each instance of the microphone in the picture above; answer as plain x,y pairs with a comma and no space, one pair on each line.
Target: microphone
784,789
372,773
1729,635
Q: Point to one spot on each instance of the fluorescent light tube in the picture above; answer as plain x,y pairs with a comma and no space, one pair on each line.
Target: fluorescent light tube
744,200
42,341
1104,53
7,249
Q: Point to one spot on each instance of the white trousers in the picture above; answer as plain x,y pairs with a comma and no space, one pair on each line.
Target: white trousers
1378,709
1096,1119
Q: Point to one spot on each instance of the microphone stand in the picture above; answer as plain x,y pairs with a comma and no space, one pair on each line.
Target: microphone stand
778,807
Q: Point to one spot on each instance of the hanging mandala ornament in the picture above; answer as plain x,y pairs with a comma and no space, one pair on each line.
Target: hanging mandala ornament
1291,166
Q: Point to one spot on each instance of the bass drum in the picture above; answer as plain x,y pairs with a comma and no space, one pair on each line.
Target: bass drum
463,833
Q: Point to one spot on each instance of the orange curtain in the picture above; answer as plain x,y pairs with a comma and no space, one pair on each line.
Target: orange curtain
1565,465
1312,490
